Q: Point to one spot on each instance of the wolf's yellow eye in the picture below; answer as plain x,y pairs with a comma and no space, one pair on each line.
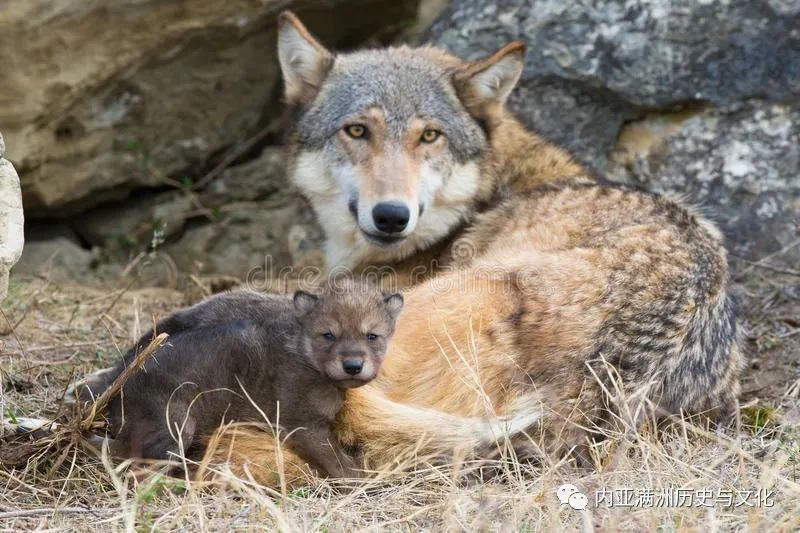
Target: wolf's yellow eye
356,131
428,136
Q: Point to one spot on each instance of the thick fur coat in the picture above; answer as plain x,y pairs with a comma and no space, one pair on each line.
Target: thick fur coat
543,303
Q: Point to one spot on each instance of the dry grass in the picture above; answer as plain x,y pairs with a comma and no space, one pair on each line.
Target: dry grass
61,332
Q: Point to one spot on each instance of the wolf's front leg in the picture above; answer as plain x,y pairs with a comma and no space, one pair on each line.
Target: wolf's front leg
321,447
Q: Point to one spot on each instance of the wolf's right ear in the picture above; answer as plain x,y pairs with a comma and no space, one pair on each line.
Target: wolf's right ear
304,303
485,85
304,61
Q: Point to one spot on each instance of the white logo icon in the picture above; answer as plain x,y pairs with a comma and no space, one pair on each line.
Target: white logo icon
569,494
578,501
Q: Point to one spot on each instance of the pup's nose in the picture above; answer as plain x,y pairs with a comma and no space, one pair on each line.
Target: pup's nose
390,217
353,366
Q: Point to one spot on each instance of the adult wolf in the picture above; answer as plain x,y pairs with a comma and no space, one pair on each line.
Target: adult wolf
556,280
546,289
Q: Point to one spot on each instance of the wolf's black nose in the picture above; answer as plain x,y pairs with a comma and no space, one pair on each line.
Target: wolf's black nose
353,366
390,217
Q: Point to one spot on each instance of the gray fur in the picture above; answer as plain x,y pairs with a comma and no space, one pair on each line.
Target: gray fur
242,349
404,86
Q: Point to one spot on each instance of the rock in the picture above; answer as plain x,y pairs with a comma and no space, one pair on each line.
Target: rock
305,239
252,238
59,259
590,66
739,163
694,97
246,213
133,221
102,98
11,219
261,178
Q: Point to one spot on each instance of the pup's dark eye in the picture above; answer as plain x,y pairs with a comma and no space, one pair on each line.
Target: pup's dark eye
328,336
429,136
372,337
356,131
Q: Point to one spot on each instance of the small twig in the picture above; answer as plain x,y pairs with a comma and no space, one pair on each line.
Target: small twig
203,289
22,513
230,158
789,334
35,362
132,264
760,262
54,347
771,268
115,300
100,404
15,325
16,338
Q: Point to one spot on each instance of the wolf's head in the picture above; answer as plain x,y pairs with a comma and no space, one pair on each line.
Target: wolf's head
345,330
388,144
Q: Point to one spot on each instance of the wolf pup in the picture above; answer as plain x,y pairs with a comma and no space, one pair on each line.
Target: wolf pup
250,356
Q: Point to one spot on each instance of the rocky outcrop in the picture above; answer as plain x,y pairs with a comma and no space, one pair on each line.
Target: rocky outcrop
102,98
246,220
699,98
11,219
118,110
58,259
591,66
740,164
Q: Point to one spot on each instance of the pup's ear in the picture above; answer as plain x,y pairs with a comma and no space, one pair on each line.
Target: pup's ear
485,84
394,304
304,303
304,62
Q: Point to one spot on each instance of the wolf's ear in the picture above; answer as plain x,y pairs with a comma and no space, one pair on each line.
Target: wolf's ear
486,83
394,304
304,62
304,303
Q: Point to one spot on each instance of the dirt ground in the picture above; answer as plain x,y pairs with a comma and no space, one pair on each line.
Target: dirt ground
52,334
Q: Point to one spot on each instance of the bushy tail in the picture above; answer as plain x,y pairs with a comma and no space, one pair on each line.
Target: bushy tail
389,431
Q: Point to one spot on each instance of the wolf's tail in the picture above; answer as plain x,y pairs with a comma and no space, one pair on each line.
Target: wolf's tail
387,430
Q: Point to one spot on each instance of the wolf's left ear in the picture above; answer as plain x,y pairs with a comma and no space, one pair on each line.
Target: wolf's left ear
394,303
304,61
488,82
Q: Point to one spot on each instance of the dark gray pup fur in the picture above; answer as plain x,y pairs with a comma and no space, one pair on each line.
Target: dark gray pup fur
242,349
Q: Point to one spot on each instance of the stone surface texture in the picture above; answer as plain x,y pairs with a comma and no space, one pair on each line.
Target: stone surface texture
11,219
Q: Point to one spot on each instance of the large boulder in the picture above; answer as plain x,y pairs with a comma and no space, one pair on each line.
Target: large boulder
590,66
58,259
740,164
101,98
699,98
11,219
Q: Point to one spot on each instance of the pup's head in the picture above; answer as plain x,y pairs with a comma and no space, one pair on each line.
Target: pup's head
345,330
387,144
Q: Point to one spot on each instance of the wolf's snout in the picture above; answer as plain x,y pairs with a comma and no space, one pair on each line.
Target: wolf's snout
353,366
391,217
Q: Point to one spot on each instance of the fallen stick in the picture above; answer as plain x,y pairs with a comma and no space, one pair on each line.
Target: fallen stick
24,513
100,404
